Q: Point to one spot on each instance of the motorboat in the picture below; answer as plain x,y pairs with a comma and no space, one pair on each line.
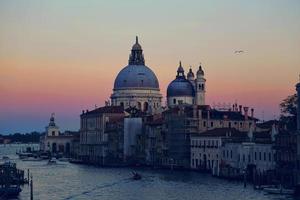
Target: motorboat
51,162
136,176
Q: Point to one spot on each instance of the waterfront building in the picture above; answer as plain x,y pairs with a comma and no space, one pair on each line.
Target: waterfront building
155,140
56,142
206,148
95,133
136,85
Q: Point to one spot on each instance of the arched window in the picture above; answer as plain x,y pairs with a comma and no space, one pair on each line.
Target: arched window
139,105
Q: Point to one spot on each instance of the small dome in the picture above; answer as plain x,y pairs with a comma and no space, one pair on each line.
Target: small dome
190,74
180,87
200,71
136,76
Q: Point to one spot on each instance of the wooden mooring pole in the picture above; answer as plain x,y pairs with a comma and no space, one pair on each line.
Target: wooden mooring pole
31,189
28,176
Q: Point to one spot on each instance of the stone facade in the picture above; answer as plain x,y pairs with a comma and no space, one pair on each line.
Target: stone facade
94,137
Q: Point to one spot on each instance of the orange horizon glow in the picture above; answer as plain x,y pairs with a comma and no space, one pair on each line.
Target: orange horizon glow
63,58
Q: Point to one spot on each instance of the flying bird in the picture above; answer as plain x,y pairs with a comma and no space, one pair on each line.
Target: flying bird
239,51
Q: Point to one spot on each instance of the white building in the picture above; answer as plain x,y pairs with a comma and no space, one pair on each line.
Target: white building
206,148
136,85
241,155
55,142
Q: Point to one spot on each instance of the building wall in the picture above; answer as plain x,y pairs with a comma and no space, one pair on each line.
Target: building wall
205,153
240,155
138,98
93,138
173,101
132,128
209,124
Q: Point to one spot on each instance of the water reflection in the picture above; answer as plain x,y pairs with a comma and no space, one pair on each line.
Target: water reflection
69,181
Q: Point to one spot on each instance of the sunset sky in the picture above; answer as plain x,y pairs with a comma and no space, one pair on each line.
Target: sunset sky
62,56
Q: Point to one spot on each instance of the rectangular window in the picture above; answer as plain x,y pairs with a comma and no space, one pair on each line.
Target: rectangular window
204,124
211,124
259,155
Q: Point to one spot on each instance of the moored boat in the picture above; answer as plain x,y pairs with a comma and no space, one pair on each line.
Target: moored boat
10,191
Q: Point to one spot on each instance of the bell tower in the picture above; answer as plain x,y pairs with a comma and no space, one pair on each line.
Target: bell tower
52,129
200,87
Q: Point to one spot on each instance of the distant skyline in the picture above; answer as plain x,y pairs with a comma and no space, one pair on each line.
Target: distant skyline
62,56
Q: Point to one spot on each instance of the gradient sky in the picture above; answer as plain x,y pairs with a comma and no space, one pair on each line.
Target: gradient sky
62,56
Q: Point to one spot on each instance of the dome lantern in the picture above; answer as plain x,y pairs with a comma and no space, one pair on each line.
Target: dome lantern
190,75
136,57
180,71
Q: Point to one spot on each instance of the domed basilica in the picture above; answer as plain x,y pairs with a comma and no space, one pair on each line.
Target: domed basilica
188,90
136,85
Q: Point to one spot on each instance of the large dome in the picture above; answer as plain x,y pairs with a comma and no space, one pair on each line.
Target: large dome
180,87
136,77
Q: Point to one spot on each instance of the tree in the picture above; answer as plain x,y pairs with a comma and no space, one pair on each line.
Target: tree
288,109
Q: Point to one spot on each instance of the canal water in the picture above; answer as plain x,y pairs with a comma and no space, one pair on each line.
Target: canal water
70,181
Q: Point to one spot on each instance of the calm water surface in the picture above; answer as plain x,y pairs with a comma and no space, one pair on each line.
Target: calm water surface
70,181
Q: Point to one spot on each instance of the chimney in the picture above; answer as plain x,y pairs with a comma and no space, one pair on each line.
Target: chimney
240,108
82,111
252,112
250,133
246,112
273,132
